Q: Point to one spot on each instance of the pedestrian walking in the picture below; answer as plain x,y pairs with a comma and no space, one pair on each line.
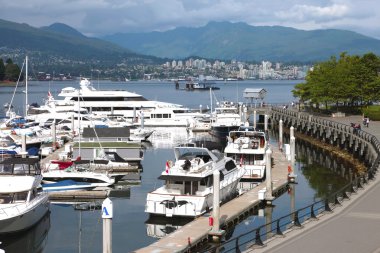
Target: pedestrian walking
367,122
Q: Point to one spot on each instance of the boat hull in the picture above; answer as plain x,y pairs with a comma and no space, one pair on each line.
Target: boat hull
186,205
23,216
222,131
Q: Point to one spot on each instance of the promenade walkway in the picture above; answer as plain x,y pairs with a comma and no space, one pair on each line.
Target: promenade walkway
351,228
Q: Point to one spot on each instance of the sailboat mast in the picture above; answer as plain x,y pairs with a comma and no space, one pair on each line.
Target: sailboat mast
26,86
79,121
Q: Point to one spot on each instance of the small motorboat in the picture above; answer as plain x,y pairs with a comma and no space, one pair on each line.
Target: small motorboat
67,185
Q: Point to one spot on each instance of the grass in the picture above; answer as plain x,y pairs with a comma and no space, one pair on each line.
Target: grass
372,112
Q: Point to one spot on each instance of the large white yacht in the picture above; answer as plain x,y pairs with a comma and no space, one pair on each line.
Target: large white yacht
188,187
21,203
110,102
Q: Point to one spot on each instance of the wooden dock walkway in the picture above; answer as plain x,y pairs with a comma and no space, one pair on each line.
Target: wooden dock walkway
231,212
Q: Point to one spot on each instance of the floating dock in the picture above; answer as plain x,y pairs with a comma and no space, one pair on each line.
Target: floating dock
231,213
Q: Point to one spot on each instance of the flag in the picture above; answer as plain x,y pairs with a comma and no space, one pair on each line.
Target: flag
49,94
167,167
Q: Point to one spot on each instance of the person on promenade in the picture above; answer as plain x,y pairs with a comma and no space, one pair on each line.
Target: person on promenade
367,122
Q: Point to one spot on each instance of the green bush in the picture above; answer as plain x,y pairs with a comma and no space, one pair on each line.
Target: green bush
373,112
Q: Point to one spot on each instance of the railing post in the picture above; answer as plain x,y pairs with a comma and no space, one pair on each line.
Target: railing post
258,240
296,220
278,228
312,214
237,249
327,206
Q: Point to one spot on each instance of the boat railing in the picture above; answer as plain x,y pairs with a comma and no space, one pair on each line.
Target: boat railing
19,208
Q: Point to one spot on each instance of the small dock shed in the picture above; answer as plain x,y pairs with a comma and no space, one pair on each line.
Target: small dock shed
254,94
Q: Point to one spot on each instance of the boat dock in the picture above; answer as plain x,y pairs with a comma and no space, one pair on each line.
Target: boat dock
198,231
78,195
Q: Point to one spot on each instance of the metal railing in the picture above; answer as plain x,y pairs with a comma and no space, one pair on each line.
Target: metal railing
257,236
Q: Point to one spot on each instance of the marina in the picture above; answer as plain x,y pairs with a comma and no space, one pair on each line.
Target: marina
130,219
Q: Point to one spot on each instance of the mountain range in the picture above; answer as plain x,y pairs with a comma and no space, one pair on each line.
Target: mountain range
240,41
59,41
216,40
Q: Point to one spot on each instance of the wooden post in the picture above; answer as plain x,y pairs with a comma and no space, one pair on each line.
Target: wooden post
107,214
268,171
216,199
53,134
142,119
280,138
216,233
265,122
23,146
72,125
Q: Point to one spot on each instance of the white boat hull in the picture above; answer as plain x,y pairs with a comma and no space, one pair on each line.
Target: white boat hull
18,217
186,205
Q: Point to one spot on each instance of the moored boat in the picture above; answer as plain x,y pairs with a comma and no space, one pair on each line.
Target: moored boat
247,147
21,203
188,187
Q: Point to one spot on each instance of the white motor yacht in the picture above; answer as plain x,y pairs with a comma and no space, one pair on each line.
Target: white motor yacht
106,102
188,183
225,118
247,147
22,204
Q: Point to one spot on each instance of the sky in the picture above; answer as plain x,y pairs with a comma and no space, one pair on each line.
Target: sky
97,18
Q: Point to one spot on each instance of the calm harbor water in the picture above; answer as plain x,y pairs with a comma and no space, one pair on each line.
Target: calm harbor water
72,228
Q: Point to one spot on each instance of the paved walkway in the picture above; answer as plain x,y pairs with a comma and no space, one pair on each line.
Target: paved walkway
354,227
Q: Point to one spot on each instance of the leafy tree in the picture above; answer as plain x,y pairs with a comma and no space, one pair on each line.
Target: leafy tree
2,70
12,71
350,80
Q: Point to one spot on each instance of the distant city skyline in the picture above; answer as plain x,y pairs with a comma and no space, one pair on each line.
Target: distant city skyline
103,17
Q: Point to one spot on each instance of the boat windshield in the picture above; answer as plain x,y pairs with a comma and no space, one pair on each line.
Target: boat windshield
188,153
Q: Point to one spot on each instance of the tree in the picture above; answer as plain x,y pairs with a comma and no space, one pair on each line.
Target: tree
12,72
349,80
2,70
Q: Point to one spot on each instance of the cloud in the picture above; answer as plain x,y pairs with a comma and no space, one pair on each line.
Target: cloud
316,13
100,17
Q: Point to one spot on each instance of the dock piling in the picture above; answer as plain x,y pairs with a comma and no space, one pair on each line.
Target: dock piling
107,214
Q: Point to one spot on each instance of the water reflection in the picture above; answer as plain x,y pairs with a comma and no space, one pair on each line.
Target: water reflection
324,172
33,240
319,174
159,227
